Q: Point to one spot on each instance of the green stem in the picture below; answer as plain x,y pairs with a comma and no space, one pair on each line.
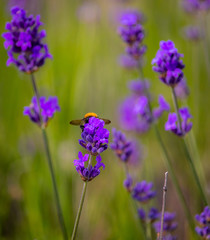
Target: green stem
168,163
37,96
195,173
50,164
136,206
192,145
79,211
190,161
142,226
57,200
76,223
205,44
175,180
148,231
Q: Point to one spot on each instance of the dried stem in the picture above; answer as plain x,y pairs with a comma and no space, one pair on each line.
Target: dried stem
163,205
50,164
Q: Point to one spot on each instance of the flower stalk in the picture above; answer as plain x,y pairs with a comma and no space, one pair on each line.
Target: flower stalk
168,163
50,164
163,205
76,224
187,150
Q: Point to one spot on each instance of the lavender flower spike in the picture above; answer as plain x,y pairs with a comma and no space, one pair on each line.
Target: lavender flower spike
127,151
172,123
169,225
194,6
142,192
182,91
128,183
88,173
204,221
48,108
163,106
193,33
168,64
24,41
94,136
132,33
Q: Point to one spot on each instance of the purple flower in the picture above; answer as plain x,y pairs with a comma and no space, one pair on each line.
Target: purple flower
128,183
204,221
24,41
48,108
153,214
172,123
134,114
19,3
89,172
126,151
94,136
136,51
163,106
142,192
168,64
132,33
127,62
193,6
181,90
131,17
193,33
138,86
142,214
169,225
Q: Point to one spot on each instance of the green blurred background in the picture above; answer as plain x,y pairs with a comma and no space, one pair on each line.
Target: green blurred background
85,76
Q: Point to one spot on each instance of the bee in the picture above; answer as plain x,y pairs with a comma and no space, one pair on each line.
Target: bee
86,118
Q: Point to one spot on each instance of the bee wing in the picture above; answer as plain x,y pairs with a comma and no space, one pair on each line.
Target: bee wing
76,122
107,121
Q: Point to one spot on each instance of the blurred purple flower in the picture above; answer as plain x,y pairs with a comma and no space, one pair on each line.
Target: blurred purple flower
163,106
169,225
24,41
138,86
172,123
19,3
95,137
143,192
204,221
90,172
168,64
193,33
127,62
181,90
131,17
48,108
134,114
127,151
142,214
193,6
153,214
128,183
132,33
136,50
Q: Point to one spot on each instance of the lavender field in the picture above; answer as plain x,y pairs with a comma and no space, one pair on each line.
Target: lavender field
105,120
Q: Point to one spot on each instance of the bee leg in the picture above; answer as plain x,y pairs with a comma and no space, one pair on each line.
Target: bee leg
82,127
